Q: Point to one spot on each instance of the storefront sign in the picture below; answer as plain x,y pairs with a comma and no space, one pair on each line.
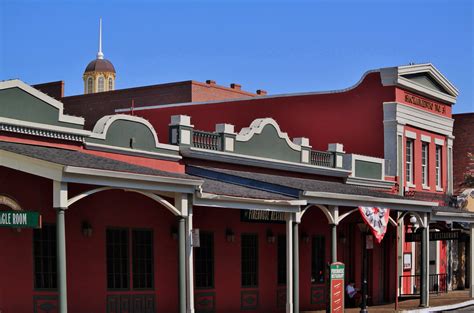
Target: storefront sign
336,283
407,261
429,105
434,236
256,216
20,219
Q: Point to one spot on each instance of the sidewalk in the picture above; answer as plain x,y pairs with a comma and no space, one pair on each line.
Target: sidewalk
450,298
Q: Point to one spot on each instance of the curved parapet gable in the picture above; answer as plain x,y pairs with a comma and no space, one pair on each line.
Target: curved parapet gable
264,138
127,134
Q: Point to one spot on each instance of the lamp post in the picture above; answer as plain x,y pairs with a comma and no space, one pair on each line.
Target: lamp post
364,229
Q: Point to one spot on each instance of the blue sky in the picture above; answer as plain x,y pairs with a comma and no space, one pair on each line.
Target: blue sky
279,46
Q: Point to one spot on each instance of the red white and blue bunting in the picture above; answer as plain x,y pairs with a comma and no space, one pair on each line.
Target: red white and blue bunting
377,219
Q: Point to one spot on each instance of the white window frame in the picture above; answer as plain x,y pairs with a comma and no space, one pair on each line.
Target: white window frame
439,167
425,161
409,161
101,81
111,83
90,85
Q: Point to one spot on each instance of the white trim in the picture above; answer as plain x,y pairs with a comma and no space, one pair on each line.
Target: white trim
349,164
367,182
31,165
234,158
331,195
393,76
128,151
16,83
44,127
439,142
407,115
257,126
425,138
132,176
410,134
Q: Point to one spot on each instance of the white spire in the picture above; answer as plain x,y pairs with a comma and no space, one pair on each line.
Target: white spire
100,55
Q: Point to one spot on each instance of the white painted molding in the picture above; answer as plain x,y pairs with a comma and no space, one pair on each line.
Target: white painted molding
410,134
336,147
425,138
439,142
16,83
137,152
350,159
181,120
367,182
257,126
393,76
302,141
225,129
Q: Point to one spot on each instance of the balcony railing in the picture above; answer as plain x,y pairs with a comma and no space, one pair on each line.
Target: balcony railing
206,140
410,284
321,158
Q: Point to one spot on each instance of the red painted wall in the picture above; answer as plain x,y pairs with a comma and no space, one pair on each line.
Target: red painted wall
327,118
86,258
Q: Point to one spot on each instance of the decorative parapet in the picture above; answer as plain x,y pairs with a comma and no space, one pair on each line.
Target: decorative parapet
366,171
263,140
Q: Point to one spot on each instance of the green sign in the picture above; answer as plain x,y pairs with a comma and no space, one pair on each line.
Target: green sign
20,219
336,285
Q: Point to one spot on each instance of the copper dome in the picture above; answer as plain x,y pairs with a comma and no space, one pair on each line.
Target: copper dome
100,65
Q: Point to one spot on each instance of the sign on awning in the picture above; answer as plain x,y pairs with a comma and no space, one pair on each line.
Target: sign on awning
20,219
377,219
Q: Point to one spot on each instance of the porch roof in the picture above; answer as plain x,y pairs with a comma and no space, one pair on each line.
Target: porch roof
315,191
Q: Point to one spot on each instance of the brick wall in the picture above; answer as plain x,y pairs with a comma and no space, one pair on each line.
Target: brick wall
463,144
53,89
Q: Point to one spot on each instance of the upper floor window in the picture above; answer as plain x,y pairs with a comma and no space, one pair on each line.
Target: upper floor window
111,84
101,84
438,166
424,163
90,84
409,161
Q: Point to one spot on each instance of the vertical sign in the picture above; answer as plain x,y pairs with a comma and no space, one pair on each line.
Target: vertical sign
336,283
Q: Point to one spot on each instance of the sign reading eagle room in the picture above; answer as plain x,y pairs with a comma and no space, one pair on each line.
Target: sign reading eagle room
20,219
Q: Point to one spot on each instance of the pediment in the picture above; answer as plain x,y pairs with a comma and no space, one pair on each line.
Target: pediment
424,79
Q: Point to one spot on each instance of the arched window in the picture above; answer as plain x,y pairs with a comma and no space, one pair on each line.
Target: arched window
89,85
101,84
111,84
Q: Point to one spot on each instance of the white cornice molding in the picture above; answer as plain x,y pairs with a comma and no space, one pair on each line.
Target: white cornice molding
257,126
367,182
44,130
133,152
235,158
16,83
408,115
393,76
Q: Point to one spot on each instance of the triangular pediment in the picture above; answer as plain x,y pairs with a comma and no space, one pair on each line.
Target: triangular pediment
425,79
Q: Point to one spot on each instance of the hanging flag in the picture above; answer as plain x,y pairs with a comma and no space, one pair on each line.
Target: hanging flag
377,219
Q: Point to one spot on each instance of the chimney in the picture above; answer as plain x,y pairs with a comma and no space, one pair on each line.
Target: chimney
235,86
261,92
210,82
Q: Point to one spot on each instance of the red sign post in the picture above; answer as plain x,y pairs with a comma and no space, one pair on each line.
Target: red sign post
336,283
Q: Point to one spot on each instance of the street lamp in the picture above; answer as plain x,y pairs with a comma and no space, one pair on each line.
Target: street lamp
365,230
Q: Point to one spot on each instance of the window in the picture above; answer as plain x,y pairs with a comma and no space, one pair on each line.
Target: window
44,251
438,165
317,260
281,259
90,84
204,261
424,163
409,161
142,253
249,257
101,84
111,84
118,263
